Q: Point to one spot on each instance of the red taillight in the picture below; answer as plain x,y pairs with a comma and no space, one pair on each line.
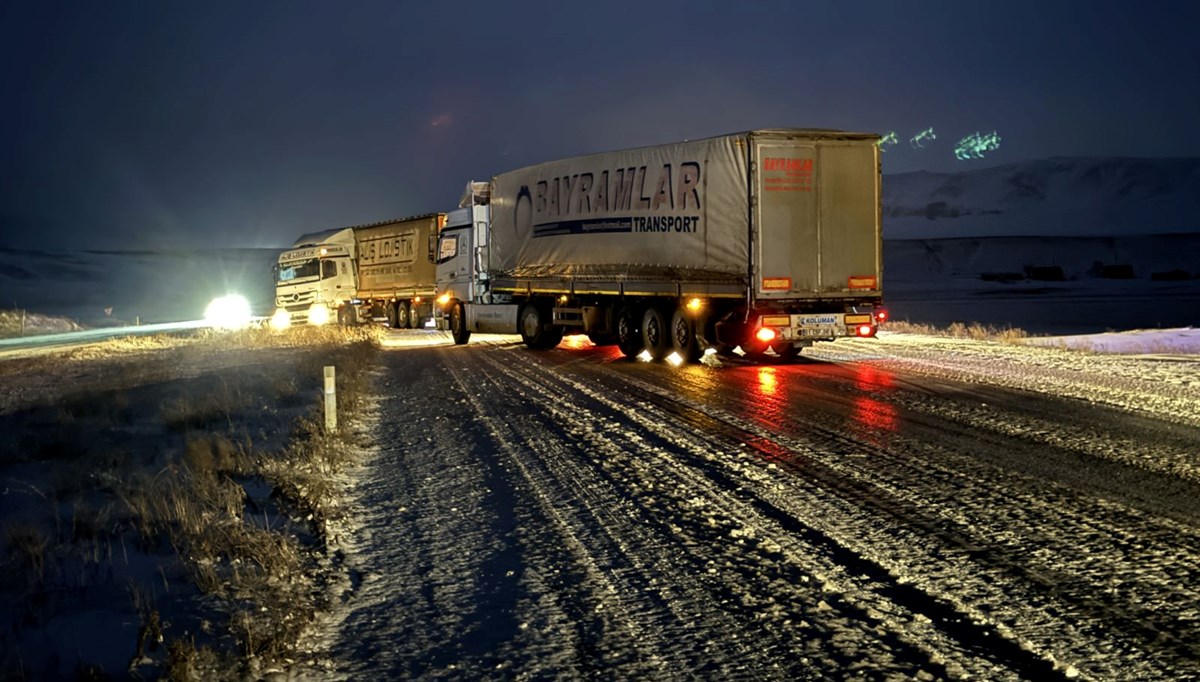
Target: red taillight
765,334
866,330
881,315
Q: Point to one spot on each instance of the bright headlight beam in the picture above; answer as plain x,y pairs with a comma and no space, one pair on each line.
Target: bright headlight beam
231,311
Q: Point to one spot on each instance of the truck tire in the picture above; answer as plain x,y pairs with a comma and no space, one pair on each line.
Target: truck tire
458,325
536,330
683,335
656,333
403,315
391,315
628,331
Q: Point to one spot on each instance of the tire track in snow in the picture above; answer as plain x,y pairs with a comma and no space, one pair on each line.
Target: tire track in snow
906,643
865,488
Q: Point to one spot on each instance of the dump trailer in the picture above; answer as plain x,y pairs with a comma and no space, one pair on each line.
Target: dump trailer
382,272
766,240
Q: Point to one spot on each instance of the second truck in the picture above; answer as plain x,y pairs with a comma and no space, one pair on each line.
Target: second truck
378,272
766,240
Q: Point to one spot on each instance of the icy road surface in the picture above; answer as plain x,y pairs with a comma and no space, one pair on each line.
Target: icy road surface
889,510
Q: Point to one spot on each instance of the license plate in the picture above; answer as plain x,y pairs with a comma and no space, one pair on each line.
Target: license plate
818,331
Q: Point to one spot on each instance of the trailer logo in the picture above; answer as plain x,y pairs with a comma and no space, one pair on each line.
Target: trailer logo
585,203
785,174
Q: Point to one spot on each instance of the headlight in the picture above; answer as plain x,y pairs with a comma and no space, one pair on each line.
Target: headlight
281,320
318,314
228,312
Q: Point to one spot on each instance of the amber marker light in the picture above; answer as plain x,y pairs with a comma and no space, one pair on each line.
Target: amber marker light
695,304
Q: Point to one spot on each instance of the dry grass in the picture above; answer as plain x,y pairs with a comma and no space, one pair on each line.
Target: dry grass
181,490
961,330
23,323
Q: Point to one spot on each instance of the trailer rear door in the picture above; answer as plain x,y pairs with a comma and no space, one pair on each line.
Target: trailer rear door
816,218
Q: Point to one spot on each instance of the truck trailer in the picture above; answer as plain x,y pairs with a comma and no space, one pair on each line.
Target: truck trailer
381,272
766,240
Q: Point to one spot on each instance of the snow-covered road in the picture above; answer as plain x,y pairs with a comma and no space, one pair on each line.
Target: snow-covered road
892,509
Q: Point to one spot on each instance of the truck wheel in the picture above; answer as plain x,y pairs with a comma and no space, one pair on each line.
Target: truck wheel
683,335
656,335
391,315
627,331
458,325
535,330
403,315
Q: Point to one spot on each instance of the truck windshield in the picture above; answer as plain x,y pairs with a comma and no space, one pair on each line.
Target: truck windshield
293,270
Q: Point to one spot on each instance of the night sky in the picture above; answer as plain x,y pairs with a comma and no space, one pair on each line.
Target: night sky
139,125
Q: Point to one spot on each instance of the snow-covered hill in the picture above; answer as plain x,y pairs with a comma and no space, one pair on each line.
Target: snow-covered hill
1058,196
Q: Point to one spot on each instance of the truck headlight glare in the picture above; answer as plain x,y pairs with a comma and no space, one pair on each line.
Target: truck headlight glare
230,311
318,314
281,320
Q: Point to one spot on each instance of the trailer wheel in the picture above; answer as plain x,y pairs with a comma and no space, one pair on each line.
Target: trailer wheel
403,315
458,325
391,315
627,331
656,335
683,335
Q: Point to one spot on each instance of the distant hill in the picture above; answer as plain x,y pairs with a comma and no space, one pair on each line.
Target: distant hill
1058,196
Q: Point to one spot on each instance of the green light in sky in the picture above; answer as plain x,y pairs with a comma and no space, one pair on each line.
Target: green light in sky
921,137
974,146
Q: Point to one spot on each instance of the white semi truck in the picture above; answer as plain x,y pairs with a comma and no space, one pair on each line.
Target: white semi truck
380,272
766,240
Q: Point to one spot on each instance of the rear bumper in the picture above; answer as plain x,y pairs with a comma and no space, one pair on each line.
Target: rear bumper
768,328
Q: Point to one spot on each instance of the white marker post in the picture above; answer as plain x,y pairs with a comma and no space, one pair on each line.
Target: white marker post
330,401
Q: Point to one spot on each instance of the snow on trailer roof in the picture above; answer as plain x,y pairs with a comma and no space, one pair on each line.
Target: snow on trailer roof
314,238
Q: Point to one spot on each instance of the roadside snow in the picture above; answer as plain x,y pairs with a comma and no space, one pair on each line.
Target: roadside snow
1151,343
1154,372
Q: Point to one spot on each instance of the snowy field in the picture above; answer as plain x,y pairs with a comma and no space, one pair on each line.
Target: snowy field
908,506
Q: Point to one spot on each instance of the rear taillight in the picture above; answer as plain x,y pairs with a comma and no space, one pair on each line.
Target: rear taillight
866,330
881,315
765,334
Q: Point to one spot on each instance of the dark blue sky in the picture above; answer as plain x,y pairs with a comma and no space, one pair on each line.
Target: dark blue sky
173,124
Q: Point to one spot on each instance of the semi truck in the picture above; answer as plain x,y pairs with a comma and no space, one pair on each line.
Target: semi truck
380,272
766,241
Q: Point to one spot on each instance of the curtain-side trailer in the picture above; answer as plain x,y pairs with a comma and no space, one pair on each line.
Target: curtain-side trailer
767,240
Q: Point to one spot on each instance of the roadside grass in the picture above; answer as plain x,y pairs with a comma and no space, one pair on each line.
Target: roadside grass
961,330
17,322
194,509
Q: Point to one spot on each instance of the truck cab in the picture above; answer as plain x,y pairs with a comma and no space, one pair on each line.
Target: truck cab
462,260
315,278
